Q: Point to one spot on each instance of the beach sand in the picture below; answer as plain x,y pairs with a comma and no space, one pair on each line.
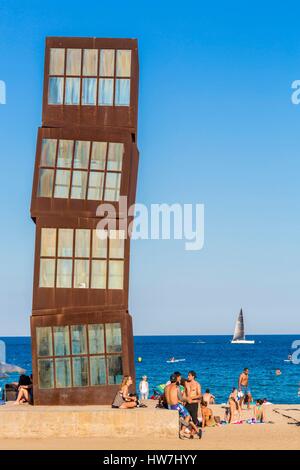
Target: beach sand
283,432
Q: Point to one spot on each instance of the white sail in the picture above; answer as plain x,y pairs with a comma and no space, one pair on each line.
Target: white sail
239,331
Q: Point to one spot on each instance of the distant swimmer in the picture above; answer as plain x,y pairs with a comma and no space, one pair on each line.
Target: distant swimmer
278,372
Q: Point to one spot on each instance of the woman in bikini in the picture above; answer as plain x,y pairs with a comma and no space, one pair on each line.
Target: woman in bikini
207,416
123,399
259,411
234,405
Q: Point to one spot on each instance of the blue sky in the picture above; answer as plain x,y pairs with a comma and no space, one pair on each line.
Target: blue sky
216,126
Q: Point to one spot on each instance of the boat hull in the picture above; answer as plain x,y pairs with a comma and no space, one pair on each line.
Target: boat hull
243,341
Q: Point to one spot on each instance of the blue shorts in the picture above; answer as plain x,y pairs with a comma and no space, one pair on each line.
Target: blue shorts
183,412
245,390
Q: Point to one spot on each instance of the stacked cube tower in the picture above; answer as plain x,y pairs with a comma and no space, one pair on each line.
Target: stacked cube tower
86,164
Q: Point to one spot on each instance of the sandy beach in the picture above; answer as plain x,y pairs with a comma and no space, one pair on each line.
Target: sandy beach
282,431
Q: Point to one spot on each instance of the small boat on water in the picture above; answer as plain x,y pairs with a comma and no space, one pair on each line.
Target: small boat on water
239,331
175,360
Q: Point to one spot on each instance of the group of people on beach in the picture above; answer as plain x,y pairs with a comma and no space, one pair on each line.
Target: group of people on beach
193,406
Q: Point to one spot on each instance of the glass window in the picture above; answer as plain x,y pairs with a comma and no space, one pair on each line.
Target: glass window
82,153
89,91
116,274
65,153
81,274
46,376
112,186
62,184
57,61
115,370
48,152
98,157
64,273
55,90
61,340
78,333
79,183
73,62
122,92
47,272
48,241
99,243
80,372
82,243
106,92
72,92
98,274
63,373
116,243
113,337
98,370
90,62
65,242
45,186
96,339
44,341
123,63
107,62
115,156
96,182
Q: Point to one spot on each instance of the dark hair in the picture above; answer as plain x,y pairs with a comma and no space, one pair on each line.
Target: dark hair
193,373
260,401
173,378
245,368
24,380
203,403
178,374
207,390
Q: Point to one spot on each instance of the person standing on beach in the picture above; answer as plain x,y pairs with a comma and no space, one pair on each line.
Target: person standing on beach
171,396
144,388
192,395
243,388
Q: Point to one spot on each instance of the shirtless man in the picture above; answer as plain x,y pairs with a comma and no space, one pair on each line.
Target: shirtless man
171,395
243,387
192,395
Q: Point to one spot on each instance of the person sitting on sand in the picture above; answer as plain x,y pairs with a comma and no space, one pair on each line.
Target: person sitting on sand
209,397
234,405
259,411
171,395
24,390
123,399
208,419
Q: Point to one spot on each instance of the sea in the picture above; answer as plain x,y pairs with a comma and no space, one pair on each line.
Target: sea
215,360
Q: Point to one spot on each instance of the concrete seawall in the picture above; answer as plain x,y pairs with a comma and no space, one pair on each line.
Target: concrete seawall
26,421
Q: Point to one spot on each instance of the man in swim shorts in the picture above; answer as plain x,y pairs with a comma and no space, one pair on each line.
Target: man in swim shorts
171,395
243,388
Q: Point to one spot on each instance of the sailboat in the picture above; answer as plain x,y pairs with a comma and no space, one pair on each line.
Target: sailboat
239,331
